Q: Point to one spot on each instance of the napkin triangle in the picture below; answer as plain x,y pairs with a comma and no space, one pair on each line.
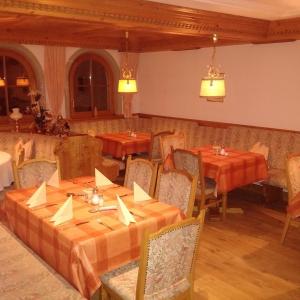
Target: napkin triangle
64,213
139,194
101,180
39,196
123,213
54,179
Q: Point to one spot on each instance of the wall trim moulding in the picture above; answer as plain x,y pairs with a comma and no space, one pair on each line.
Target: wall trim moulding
212,123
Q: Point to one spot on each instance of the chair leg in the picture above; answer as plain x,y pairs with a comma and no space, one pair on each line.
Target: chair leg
286,227
224,205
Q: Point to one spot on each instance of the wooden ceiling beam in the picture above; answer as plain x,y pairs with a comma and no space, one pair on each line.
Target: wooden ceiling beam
143,15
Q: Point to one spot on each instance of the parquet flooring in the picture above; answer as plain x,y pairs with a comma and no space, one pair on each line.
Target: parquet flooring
242,258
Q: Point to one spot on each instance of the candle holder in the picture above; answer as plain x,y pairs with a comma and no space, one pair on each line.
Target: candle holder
16,116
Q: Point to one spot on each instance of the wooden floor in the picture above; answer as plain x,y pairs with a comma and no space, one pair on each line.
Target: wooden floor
242,258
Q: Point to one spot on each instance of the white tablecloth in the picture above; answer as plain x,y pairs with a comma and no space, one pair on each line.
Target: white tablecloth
6,173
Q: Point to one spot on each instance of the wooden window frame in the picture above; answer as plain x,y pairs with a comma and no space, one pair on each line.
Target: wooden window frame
110,88
31,76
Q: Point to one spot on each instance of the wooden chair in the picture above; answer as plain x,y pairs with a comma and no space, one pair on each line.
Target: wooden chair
192,163
177,188
155,149
167,142
293,183
80,155
33,172
166,266
141,171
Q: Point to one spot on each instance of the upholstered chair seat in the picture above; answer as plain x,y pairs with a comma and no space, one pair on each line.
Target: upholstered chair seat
277,177
166,266
123,280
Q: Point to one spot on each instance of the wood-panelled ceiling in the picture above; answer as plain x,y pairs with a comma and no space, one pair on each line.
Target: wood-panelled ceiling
152,26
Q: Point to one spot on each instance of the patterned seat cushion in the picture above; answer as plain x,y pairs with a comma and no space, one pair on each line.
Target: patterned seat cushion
123,280
277,177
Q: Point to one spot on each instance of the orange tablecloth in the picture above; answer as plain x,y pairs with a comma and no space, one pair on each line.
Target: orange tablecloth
120,144
82,252
237,169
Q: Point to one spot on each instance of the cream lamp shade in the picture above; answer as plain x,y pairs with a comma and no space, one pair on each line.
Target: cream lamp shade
127,86
213,84
213,89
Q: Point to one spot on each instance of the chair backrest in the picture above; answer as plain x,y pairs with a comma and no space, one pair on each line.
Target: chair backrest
178,188
155,151
176,140
293,175
192,163
167,261
141,171
32,173
79,155
260,149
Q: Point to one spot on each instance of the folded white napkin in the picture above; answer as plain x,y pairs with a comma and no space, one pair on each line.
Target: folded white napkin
139,194
64,213
54,179
39,196
101,180
123,213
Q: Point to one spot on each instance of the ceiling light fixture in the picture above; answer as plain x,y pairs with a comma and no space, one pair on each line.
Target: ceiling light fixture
213,85
127,84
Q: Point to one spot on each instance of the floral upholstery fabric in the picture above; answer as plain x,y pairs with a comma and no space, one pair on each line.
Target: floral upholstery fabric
293,171
175,189
123,280
33,174
277,177
141,172
169,264
187,162
25,276
170,261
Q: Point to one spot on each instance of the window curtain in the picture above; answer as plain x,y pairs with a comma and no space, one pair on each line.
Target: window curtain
133,60
55,73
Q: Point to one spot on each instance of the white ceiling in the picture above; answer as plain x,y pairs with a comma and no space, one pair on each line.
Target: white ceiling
261,9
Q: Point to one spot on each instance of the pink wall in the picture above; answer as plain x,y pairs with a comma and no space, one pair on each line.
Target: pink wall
263,85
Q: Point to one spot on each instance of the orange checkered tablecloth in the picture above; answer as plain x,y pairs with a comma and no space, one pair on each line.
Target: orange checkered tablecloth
83,249
121,144
237,169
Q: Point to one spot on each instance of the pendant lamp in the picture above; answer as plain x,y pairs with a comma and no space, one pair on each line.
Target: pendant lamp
127,84
213,85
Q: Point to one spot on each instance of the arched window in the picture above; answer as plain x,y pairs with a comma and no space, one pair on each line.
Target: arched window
91,86
16,79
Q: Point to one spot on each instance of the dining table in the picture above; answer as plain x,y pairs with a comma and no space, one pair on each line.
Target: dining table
94,241
121,144
6,172
232,169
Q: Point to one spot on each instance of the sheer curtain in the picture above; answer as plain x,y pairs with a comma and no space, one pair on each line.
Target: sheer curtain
55,72
133,61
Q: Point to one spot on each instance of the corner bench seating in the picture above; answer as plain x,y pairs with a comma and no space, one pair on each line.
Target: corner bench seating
49,147
25,276
280,142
